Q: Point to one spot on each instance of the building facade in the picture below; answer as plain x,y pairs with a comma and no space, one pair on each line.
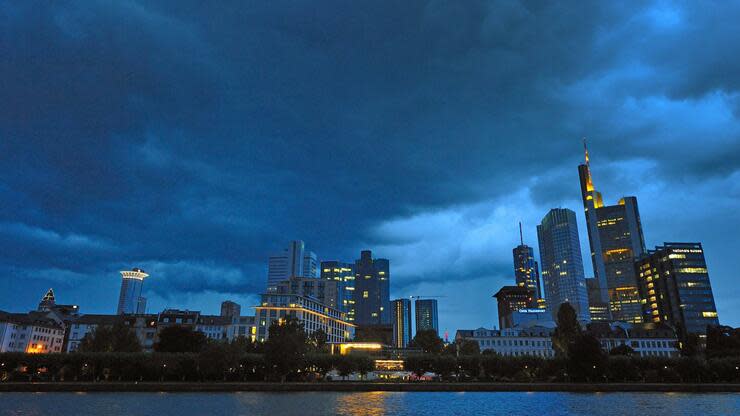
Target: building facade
324,290
534,341
562,265
344,275
510,299
130,300
401,318
616,240
294,261
311,314
32,333
232,309
598,309
675,288
427,317
372,290
645,340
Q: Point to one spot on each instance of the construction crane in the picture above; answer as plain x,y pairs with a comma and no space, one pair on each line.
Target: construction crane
427,297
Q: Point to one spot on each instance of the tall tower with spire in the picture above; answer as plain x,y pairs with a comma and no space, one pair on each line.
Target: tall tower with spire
616,240
48,301
526,269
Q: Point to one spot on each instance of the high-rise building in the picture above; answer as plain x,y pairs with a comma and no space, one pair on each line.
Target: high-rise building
324,290
344,275
48,301
426,315
401,318
294,261
526,270
598,309
511,299
372,290
562,265
130,300
616,240
231,309
674,284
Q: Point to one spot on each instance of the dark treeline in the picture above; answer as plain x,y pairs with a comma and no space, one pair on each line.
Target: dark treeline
216,366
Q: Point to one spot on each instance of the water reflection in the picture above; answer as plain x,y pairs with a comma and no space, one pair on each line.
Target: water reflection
374,403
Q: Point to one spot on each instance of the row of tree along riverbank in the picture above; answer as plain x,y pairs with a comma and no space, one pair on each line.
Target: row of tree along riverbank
219,366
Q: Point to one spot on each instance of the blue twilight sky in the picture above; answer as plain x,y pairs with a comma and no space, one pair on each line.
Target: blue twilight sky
193,140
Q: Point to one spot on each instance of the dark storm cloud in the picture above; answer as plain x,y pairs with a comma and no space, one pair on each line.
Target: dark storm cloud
196,139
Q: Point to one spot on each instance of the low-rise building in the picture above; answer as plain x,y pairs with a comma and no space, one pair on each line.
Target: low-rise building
32,332
312,314
647,340
533,341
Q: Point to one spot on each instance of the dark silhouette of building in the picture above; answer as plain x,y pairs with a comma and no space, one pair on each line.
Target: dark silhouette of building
674,283
372,290
231,309
616,240
562,265
526,270
426,315
511,299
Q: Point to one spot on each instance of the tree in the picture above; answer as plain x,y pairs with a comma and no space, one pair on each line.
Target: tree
468,347
585,358
317,340
567,330
723,341
180,339
623,349
285,348
116,338
688,343
428,341
444,366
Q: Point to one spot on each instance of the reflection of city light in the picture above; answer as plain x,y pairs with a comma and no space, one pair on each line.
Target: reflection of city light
365,404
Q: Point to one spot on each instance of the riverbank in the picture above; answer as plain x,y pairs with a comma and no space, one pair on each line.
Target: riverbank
366,387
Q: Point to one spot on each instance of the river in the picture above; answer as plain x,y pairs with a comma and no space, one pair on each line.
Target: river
368,404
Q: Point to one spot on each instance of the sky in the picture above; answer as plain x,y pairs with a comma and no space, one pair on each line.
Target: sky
194,140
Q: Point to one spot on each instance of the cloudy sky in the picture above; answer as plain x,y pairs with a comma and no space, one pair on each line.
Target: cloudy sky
193,141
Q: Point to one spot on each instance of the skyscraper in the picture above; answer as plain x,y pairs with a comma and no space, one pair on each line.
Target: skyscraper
130,300
510,299
674,284
562,265
426,315
344,275
401,318
598,309
48,301
526,270
294,261
372,290
616,240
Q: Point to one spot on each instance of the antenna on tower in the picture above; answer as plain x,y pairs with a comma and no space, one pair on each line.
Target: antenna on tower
521,236
585,150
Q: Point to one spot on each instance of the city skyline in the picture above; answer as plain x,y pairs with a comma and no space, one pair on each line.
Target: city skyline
238,141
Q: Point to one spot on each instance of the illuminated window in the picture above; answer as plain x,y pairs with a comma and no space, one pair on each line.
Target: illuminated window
709,314
365,294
